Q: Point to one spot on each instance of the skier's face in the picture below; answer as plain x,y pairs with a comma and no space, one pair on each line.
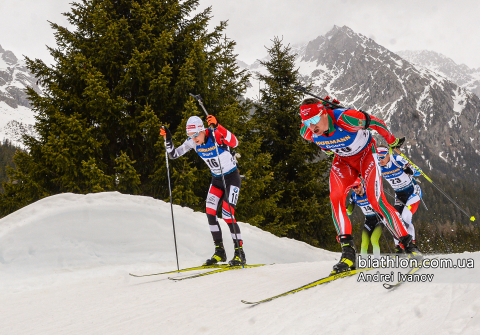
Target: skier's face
384,161
359,190
320,127
200,139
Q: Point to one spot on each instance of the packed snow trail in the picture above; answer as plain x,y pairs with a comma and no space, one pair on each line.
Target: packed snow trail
64,264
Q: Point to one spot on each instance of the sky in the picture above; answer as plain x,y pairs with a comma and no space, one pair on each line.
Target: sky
451,28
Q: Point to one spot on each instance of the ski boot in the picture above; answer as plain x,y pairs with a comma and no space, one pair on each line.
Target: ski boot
347,261
410,248
399,251
218,256
239,256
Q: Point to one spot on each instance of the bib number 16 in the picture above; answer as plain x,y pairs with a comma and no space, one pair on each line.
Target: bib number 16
212,163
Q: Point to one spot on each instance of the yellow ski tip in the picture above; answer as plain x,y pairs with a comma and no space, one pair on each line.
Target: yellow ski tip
472,218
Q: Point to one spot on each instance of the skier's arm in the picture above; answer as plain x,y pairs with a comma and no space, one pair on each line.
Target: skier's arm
406,166
353,120
174,153
306,133
223,136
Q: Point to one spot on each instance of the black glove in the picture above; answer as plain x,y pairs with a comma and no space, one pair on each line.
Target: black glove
397,143
408,170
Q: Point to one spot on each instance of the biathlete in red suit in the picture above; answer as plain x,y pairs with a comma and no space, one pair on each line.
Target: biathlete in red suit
345,133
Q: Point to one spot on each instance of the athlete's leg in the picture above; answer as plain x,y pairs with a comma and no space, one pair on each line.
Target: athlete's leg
377,232
410,209
213,198
233,183
365,243
342,176
370,171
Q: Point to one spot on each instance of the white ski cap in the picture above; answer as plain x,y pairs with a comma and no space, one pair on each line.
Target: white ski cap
194,125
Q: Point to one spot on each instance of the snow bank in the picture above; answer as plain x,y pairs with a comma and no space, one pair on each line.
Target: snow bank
70,232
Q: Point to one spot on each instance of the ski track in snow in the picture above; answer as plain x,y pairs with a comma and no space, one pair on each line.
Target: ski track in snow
64,264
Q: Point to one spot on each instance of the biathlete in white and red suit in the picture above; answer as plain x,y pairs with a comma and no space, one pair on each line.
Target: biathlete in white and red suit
346,134
203,142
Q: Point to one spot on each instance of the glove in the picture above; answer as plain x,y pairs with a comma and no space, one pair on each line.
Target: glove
212,121
408,170
165,133
397,143
329,153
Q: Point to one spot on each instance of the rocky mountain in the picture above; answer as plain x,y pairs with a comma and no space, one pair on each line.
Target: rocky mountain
440,119
16,115
461,75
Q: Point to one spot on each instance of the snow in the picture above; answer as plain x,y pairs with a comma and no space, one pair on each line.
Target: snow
64,264
440,155
459,100
16,121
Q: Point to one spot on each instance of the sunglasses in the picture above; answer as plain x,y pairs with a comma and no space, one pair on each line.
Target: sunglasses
355,187
312,120
192,136
382,156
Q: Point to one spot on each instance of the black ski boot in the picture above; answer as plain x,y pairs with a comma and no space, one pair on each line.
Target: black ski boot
218,256
347,261
399,251
239,257
410,248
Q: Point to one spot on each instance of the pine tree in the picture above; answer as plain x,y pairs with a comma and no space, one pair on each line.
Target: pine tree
125,69
300,177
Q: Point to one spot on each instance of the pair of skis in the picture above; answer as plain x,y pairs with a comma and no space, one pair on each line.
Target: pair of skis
218,267
224,267
335,277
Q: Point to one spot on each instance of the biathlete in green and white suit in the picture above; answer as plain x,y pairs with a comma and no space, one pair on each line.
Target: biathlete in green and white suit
372,229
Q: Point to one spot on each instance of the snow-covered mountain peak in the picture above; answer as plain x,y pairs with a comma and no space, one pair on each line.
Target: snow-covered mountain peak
439,117
461,75
16,116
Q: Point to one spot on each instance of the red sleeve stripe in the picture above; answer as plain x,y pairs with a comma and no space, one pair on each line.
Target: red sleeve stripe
223,135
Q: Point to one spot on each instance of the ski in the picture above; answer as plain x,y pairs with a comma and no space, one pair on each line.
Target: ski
215,266
411,272
312,284
227,268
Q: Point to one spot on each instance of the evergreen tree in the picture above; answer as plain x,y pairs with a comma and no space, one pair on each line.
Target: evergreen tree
7,150
300,177
125,69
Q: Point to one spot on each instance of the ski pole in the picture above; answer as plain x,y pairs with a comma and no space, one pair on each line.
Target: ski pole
472,218
304,90
171,203
200,102
409,207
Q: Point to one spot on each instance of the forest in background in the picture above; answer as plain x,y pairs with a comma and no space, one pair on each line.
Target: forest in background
126,69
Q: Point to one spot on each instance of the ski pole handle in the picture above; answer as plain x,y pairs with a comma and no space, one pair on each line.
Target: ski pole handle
196,97
199,99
